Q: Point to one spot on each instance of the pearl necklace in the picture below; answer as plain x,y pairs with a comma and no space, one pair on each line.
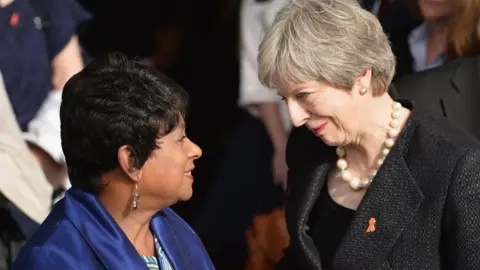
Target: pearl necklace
355,182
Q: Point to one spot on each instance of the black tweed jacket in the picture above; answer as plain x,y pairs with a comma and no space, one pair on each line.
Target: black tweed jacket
425,199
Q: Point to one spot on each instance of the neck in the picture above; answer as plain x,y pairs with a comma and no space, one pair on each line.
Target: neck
117,198
438,31
364,152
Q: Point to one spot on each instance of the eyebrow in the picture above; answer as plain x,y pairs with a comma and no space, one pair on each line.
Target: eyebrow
296,90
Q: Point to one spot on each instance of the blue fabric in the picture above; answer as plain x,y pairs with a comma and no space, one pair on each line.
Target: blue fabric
162,262
23,61
162,257
80,234
25,51
62,18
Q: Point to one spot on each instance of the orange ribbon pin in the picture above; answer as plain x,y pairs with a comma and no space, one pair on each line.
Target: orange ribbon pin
14,19
371,225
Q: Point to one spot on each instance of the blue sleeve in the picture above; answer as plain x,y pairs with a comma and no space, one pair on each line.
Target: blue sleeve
63,17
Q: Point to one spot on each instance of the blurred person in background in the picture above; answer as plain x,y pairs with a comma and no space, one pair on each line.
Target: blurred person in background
422,45
25,192
129,160
252,171
373,183
452,90
39,52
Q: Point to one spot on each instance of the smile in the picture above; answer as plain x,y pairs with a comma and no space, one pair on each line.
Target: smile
319,128
188,174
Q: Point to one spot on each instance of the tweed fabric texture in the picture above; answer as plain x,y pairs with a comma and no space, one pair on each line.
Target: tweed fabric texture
425,199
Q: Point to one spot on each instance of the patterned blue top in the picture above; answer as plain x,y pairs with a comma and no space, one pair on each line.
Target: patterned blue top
162,263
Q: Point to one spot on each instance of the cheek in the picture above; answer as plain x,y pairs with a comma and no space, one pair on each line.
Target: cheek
164,171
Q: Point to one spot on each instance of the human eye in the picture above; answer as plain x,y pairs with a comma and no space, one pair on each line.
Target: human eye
301,95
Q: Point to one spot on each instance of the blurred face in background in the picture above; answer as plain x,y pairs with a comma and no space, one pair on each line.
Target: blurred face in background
436,10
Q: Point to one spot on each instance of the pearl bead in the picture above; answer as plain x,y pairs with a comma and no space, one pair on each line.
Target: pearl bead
397,106
355,183
389,142
394,123
366,182
380,162
393,132
395,114
342,164
346,175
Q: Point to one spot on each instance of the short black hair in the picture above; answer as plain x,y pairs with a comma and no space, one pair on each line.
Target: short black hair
115,101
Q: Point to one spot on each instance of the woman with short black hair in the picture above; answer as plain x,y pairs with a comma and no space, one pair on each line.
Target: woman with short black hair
129,160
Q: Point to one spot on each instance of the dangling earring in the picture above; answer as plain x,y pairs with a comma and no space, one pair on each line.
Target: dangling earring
136,196
363,91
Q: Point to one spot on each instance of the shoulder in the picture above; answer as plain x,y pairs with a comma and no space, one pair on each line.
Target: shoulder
43,258
54,249
429,81
439,133
435,149
48,246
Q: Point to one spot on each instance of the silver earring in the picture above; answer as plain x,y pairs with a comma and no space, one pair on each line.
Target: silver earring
363,91
136,196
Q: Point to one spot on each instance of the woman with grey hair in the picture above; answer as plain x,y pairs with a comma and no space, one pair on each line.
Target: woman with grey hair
373,183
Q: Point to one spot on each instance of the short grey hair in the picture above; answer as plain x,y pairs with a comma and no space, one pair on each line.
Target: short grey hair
334,41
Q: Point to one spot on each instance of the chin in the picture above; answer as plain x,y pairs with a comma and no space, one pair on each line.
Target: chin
432,13
187,195
330,141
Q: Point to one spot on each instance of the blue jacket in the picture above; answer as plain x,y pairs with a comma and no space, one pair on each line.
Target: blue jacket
79,234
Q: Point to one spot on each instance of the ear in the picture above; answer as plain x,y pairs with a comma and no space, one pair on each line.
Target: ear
364,81
124,160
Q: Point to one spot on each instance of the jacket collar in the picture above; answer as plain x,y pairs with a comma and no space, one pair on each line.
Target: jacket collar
108,241
468,69
460,104
392,199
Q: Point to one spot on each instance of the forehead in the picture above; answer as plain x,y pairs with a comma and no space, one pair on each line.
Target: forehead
286,89
181,126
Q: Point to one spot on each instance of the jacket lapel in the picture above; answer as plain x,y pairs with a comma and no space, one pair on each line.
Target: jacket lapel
302,201
391,200
461,104
167,238
100,231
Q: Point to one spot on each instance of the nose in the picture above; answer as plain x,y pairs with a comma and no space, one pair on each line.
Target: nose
195,151
298,114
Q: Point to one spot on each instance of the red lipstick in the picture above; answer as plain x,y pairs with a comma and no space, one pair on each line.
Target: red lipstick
319,128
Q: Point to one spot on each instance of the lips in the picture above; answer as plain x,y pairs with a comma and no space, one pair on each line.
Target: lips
319,128
188,174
